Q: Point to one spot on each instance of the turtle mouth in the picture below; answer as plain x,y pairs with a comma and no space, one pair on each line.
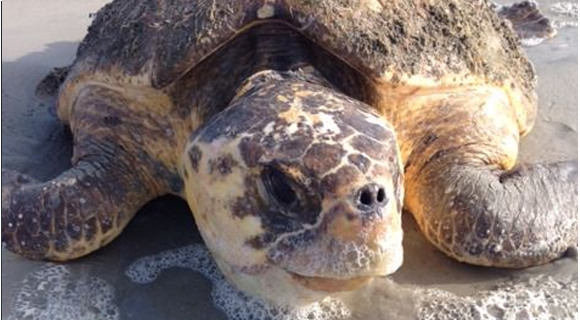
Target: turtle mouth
328,284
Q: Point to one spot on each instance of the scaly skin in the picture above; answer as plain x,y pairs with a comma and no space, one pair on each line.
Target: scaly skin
340,159
462,187
118,166
448,75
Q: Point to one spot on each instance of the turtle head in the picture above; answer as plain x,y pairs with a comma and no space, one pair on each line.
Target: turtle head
297,189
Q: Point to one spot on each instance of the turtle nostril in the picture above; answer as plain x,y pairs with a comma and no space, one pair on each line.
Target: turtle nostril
381,195
366,197
371,196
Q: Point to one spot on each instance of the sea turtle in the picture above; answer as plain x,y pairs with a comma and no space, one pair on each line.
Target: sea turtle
291,127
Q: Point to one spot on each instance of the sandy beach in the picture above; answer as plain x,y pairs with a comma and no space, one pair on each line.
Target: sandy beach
39,38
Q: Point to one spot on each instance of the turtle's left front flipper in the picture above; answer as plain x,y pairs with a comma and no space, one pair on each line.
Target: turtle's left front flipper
516,218
466,197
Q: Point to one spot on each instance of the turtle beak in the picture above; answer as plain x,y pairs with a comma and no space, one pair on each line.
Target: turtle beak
351,245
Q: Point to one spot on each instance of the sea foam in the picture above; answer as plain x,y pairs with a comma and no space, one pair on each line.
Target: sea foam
54,293
541,297
234,303
566,14
537,297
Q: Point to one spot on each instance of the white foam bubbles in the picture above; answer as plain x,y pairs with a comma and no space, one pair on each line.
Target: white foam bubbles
337,259
567,14
235,304
53,293
533,41
541,297
569,9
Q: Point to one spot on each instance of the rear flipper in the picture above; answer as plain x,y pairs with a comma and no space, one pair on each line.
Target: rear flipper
517,218
527,21
50,84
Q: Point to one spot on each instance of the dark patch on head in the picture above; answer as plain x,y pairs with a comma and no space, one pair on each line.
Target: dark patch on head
371,148
345,131
261,241
250,151
246,204
293,145
355,119
322,157
343,177
288,195
275,221
231,122
361,162
296,146
195,155
247,114
223,164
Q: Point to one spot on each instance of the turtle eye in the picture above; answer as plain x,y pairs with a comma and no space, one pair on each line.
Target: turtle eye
278,186
289,198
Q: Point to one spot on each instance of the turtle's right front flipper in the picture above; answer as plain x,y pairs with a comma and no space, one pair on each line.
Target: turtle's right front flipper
88,205
70,216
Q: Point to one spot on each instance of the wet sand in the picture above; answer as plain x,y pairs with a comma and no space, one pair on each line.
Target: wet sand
36,39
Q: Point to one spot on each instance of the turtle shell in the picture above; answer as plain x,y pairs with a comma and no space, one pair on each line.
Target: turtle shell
398,46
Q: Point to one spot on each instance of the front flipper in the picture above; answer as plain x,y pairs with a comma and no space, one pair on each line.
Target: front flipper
516,218
72,215
87,206
466,200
